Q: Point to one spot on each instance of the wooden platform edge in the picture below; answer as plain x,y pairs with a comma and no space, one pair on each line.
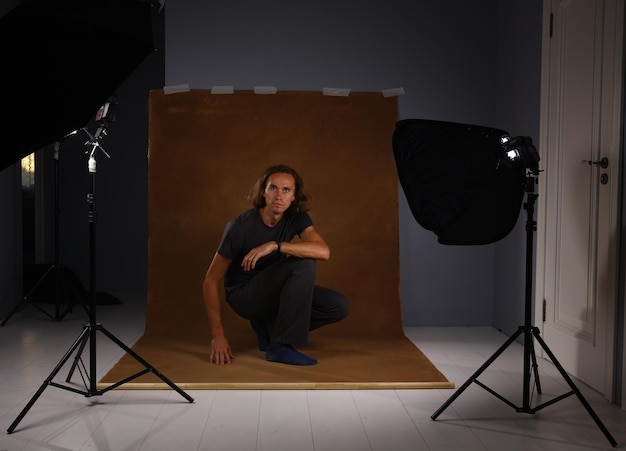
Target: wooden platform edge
286,386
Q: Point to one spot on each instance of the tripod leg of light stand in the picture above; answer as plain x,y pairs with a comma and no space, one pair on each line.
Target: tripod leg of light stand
49,380
574,388
147,366
77,358
478,372
27,298
16,309
13,312
60,280
535,367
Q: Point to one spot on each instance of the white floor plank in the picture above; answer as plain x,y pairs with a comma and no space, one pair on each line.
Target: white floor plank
180,422
233,422
284,422
386,421
335,421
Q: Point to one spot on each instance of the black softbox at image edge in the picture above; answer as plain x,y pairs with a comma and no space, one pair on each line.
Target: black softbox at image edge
456,181
61,60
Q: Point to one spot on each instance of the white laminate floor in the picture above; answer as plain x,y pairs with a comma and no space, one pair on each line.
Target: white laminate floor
31,345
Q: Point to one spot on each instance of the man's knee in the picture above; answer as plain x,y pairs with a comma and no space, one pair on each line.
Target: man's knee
308,264
305,266
337,304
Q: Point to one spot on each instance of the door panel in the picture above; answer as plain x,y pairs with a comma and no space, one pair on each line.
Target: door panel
577,222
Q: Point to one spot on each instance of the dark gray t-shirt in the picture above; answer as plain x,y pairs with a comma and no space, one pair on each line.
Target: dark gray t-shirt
247,231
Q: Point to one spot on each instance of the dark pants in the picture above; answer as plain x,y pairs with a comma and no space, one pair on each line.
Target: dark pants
285,299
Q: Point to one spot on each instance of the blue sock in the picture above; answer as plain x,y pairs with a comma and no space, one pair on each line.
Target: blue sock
261,334
277,352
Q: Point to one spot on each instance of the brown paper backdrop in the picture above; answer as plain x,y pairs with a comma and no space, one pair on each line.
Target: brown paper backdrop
205,152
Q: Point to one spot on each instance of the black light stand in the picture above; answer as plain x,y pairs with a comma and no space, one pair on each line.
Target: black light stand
55,270
530,333
90,330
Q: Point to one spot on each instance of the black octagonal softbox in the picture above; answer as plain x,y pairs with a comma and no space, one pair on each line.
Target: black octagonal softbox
458,180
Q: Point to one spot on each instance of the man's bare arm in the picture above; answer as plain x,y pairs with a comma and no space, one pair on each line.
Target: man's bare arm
311,246
220,349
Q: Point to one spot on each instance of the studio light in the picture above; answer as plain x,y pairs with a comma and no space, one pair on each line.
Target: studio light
522,153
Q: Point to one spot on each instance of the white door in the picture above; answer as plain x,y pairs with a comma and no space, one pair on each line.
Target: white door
577,258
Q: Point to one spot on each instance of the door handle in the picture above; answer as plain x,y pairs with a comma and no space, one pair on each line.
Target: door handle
603,163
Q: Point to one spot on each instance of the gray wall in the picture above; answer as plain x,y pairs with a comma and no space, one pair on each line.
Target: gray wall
474,62
517,105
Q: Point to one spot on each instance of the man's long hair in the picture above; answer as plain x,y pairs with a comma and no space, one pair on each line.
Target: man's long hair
299,205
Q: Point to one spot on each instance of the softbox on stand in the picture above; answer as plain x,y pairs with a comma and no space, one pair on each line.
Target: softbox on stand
466,183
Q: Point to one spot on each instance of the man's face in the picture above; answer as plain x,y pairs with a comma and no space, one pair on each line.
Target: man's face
280,192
